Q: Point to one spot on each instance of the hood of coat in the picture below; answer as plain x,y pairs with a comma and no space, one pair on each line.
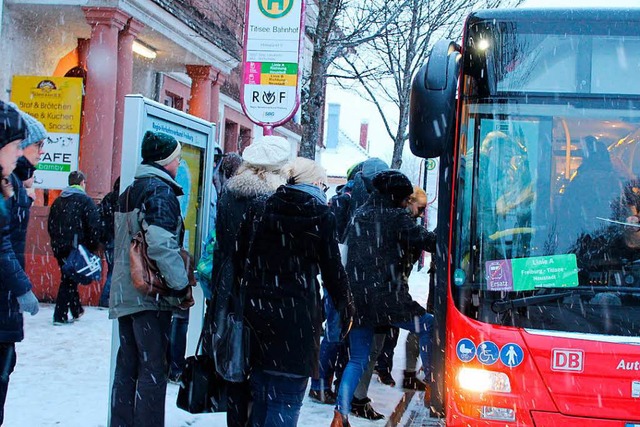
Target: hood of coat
291,210
71,190
248,184
156,171
379,207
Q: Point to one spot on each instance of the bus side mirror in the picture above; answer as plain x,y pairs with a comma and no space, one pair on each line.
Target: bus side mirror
433,101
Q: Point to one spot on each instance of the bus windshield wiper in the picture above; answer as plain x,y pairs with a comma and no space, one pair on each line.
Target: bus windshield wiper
504,305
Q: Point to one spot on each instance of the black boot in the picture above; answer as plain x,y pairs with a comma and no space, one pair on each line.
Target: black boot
412,382
385,378
362,408
323,396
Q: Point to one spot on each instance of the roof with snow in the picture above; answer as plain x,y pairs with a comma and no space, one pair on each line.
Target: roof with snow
339,159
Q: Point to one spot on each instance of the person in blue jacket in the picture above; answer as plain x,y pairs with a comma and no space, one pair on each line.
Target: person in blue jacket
16,296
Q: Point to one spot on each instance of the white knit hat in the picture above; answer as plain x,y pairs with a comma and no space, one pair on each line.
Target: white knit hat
269,152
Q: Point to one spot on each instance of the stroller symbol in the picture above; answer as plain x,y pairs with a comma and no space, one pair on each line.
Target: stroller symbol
466,350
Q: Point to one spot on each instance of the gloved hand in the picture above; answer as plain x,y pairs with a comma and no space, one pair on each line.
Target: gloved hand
29,303
346,318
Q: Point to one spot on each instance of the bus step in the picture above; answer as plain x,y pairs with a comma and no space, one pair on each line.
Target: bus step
411,412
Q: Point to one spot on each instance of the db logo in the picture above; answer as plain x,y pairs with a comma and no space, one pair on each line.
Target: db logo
567,360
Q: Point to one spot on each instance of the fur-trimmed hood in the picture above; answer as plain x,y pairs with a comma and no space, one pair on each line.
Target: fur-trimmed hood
249,184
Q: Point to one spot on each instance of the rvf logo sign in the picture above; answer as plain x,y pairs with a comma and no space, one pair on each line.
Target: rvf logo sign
275,8
567,360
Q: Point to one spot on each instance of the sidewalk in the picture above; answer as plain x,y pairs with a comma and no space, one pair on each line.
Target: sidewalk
62,377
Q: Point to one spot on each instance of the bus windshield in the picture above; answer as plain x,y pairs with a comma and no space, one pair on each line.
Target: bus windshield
548,195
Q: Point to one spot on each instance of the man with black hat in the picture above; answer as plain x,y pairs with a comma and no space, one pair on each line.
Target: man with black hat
73,220
149,204
16,296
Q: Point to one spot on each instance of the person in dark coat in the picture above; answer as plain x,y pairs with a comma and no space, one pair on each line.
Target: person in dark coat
260,174
345,204
107,209
291,243
383,244
16,296
73,220
21,180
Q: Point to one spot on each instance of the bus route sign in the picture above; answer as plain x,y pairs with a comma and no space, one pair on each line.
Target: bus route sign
272,39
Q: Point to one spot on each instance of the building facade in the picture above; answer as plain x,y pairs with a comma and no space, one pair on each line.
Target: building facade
186,54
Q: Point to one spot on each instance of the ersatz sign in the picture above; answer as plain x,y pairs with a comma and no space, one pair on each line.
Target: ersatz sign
271,64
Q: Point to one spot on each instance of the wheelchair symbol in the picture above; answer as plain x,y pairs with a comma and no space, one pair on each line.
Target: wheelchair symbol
488,353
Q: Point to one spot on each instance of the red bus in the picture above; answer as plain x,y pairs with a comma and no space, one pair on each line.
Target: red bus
535,119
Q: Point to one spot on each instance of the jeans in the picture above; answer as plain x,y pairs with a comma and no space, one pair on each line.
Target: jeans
360,340
332,349
333,326
365,379
68,299
178,343
277,399
140,380
7,363
327,365
104,296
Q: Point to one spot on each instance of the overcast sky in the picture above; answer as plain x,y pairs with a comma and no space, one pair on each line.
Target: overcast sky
354,109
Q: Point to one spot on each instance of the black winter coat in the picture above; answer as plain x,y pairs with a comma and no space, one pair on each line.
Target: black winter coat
14,283
73,220
241,193
107,209
383,244
19,207
293,242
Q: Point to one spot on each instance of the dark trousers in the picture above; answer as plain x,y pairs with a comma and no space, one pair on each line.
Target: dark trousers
178,343
238,402
68,299
384,363
140,380
277,399
7,363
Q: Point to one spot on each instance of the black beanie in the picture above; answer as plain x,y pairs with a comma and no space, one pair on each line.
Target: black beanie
24,169
393,183
12,126
158,147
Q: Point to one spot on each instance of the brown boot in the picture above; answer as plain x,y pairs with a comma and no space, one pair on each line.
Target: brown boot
339,420
427,396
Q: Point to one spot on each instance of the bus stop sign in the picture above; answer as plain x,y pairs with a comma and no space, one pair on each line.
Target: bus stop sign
272,40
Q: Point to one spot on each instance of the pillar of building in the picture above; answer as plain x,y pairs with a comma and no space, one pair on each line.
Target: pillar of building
215,98
96,146
83,51
123,88
202,78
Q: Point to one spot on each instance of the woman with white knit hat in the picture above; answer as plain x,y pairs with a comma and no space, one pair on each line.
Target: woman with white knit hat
260,174
282,251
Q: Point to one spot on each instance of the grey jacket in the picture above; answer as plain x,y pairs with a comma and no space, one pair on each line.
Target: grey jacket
150,203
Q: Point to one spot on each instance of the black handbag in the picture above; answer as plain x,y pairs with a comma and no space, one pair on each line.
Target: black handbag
202,389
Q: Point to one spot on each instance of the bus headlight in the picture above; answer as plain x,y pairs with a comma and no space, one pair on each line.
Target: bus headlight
480,380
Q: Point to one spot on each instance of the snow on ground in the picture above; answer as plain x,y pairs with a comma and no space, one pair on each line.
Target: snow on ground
62,377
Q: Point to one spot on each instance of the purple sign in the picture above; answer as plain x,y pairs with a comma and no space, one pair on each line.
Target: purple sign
499,275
